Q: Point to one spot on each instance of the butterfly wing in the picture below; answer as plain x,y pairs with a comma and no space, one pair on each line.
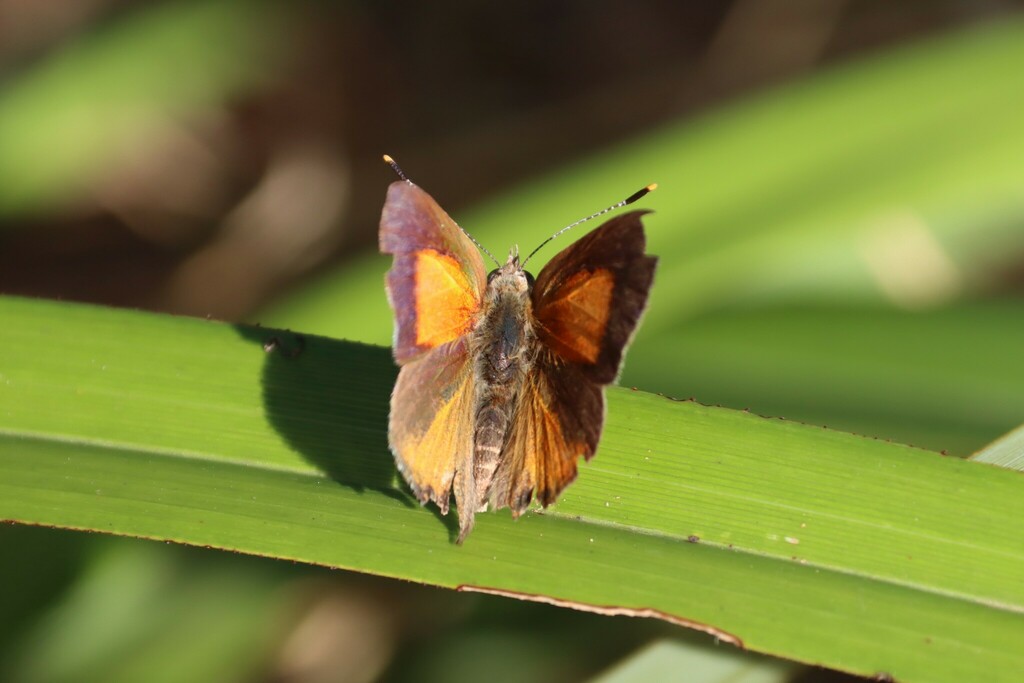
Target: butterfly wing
589,298
430,428
437,281
559,419
586,304
435,287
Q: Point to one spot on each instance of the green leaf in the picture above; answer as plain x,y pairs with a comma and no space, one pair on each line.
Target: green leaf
799,541
937,378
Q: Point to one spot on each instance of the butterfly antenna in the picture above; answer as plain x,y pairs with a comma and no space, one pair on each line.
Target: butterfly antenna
398,169
478,245
628,200
394,165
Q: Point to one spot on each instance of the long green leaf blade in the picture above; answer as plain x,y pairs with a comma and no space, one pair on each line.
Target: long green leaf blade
811,544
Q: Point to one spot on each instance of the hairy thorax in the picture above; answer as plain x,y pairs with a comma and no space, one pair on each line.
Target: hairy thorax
505,342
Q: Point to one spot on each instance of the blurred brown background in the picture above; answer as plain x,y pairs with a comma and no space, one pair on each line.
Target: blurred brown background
274,172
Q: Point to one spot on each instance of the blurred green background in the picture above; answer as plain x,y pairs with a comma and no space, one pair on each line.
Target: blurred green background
840,222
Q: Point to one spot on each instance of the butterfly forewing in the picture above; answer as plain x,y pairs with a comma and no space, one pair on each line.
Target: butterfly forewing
588,299
436,283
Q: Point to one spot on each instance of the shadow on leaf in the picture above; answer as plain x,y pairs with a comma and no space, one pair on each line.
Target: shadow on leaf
329,400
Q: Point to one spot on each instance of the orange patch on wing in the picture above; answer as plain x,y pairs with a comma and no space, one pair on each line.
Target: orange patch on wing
573,323
429,459
541,457
445,299
550,457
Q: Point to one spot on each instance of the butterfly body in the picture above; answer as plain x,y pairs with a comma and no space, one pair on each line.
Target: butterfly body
505,345
501,383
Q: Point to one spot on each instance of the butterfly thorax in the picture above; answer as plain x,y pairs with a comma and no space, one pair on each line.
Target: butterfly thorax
506,342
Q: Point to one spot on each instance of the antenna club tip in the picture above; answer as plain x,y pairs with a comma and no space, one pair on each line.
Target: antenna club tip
395,167
650,188
638,194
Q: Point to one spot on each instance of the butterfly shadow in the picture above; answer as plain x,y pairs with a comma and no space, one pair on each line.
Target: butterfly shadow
329,400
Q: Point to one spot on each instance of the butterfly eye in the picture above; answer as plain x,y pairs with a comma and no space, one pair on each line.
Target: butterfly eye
529,278
491,275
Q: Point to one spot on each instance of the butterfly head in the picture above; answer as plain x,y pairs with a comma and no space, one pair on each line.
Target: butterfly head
510,278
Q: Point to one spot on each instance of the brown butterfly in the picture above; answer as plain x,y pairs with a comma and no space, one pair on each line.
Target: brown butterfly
501,387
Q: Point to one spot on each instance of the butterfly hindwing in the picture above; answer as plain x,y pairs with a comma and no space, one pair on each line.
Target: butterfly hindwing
430,427
437,280
558,420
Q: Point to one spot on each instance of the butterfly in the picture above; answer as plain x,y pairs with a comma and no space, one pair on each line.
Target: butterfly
501,387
